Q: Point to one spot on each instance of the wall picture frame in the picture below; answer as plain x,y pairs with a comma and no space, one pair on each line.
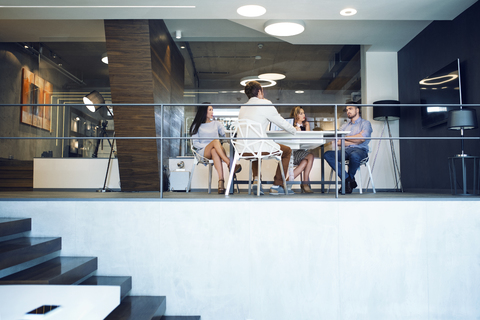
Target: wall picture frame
36,90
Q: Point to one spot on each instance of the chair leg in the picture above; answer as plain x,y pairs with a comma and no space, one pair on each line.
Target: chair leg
360,184
191,176
210,178
259,185
230,176
371,177
236,181
330,180
250,177
283,176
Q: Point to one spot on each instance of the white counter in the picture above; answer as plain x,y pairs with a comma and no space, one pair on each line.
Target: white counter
74,173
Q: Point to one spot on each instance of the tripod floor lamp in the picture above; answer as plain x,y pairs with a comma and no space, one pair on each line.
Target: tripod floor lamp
94,101
386,113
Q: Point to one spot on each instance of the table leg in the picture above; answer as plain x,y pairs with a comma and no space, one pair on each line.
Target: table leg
343,164
322,168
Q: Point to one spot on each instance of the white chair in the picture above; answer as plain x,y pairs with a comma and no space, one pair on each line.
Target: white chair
253,150
363,162
199,159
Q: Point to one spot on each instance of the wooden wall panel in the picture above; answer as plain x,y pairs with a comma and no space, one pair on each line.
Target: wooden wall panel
130,69
140,56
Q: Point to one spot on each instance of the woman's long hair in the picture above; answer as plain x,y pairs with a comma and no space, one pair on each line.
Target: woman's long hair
200,118
294,114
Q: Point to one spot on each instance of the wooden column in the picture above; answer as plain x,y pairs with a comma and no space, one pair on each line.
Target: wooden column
139,73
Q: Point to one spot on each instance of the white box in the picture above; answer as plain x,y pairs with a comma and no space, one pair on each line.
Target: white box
179,180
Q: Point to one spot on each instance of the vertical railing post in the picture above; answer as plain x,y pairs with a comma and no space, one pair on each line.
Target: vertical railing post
336,150
161,151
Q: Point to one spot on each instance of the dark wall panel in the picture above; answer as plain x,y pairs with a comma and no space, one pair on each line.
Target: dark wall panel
424,163
168,79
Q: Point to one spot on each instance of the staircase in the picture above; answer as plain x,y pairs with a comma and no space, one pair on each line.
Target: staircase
37,260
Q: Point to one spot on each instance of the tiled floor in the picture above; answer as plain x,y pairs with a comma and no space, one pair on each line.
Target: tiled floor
203,195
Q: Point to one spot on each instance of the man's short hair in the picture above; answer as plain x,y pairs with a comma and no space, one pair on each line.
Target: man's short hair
352,103
252,89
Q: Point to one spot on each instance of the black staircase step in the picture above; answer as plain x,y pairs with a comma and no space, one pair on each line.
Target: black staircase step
9,226
179,318
61,270
125,283
20,250
139,308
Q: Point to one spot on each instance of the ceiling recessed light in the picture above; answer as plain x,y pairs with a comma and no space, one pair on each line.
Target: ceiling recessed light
272,76
348,12
265,83
284,28
182,47
251,11
105,58
299,91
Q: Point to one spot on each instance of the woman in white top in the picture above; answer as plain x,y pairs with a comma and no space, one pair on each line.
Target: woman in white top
204,126
303,159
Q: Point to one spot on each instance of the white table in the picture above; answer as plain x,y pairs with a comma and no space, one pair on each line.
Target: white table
309,140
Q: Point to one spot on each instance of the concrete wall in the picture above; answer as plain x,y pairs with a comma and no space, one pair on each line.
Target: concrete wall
12,60
274,260
380,82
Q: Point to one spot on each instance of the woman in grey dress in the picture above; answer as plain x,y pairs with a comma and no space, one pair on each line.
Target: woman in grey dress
302,159
203,129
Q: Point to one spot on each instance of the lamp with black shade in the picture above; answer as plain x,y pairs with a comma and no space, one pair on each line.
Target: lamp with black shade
94,101
389,111
462,119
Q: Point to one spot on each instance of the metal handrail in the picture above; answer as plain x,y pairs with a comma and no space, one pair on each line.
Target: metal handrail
162,138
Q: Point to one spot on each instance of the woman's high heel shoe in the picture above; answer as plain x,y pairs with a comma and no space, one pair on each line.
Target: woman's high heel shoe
306,188
221,186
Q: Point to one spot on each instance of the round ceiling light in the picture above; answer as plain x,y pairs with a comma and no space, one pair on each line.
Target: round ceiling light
284,28
265,83
272,76
348,12
251,11
105,58
439,80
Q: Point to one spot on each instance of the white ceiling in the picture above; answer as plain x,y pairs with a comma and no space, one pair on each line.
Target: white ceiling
386,25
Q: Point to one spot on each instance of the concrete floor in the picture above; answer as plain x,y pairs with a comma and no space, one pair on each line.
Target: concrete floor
203,195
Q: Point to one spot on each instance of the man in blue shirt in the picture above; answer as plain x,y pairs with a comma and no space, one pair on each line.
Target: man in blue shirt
355,149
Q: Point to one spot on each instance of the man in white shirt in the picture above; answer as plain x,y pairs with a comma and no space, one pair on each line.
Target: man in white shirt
264,112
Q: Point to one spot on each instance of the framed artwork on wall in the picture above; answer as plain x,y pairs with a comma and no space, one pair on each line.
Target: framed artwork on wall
36,90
